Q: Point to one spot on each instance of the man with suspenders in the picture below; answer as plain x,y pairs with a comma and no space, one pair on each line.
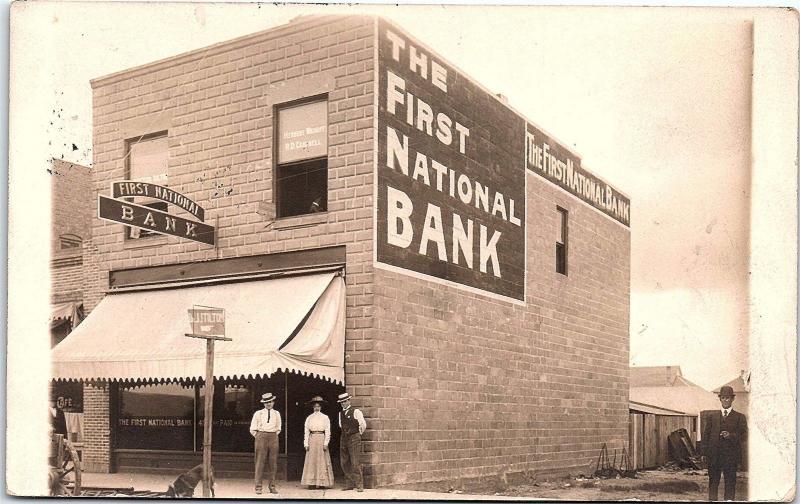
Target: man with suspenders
352,422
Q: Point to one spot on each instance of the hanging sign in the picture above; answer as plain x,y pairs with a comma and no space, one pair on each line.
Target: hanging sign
153,220
121,210
130,188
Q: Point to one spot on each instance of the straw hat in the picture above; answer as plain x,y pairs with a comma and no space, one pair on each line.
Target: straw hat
268,397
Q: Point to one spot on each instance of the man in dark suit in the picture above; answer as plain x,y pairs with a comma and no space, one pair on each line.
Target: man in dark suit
58,421
724,433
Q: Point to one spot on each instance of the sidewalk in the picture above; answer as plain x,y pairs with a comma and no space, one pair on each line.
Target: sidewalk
243,488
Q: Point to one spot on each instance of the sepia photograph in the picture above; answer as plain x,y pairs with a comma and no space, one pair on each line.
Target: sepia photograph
380,252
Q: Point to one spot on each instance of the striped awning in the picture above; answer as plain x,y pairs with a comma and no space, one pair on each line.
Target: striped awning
292,323
66,312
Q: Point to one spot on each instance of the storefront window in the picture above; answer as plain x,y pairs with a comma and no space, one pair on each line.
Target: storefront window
156,417
170,416
234,405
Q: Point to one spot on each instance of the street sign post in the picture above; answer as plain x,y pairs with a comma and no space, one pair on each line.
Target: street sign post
209,324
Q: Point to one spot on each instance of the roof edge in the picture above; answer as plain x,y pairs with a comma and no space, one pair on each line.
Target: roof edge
500,98
219,47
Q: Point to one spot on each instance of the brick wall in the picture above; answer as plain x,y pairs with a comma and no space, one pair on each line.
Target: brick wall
217,106
465,386
96,427
72,208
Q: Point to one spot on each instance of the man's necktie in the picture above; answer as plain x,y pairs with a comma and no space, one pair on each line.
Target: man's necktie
269,415
725,414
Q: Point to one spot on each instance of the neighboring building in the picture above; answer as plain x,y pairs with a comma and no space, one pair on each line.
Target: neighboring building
649,429
71,228
665,387
382,222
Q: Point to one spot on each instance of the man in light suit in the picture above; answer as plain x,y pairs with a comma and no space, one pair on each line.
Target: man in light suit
724,433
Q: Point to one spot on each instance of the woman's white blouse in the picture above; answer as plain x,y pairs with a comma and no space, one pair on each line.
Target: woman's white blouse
317,421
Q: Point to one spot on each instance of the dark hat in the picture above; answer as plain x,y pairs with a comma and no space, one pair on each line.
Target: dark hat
316,399
726,391
343,397
268,397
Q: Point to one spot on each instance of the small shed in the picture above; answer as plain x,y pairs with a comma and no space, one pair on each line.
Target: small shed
648,429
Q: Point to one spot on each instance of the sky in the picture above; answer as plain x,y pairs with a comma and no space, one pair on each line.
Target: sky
656,102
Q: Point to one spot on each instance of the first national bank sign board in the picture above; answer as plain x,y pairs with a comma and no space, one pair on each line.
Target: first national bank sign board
450,174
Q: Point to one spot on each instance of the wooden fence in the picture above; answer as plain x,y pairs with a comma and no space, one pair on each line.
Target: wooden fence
648,437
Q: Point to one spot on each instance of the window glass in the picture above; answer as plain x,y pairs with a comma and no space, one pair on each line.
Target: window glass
303,132
301,172
170,416
561,241
148,159
156,417
302,188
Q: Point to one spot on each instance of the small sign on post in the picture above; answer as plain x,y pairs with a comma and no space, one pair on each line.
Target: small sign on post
208,323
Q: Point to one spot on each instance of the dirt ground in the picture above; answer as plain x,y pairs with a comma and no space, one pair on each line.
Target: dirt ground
654,485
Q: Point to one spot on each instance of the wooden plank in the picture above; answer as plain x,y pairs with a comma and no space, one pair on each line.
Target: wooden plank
264,263
650,441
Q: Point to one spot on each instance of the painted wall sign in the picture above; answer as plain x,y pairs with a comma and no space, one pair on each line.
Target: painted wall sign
303,132
153,220
548,159
207,321
450,176
131,188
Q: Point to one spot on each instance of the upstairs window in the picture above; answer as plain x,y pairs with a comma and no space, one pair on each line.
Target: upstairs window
148,157
301,171
562,236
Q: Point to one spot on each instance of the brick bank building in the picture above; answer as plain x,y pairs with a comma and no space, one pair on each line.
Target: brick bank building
381,224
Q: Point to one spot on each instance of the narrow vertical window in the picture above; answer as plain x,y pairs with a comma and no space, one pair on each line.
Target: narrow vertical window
562,235
148,157
301,171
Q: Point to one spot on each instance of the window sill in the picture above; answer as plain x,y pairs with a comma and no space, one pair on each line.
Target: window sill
146,242
300,221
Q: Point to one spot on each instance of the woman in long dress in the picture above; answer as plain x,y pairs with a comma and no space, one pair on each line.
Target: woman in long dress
317,469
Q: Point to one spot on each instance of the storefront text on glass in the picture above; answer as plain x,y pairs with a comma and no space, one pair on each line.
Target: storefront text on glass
175,422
